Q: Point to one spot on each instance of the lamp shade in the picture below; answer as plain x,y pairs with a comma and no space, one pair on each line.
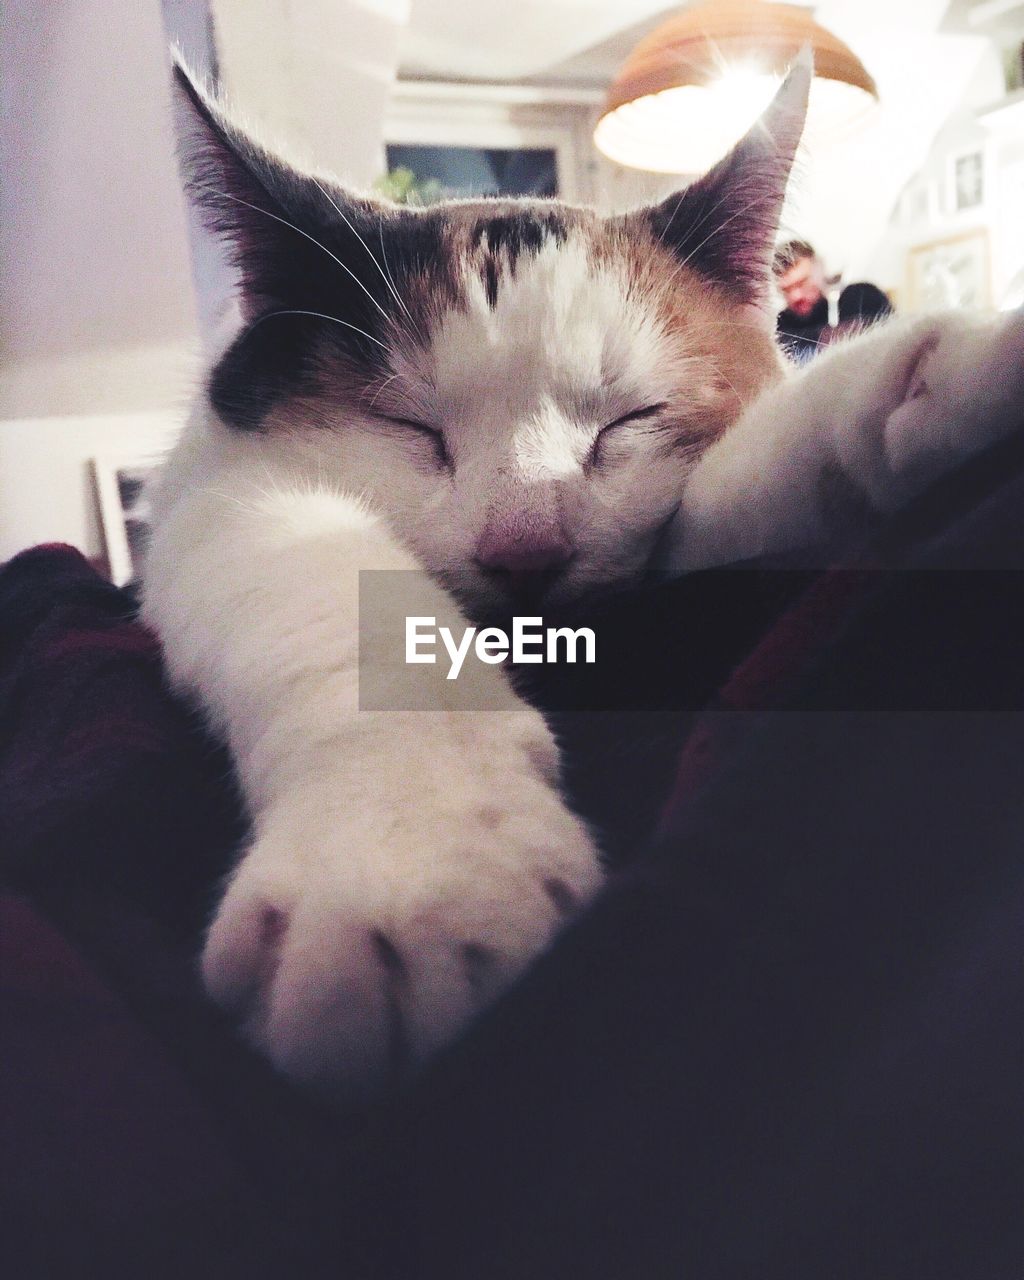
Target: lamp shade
691,89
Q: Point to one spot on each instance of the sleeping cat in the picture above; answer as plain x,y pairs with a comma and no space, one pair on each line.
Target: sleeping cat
532,402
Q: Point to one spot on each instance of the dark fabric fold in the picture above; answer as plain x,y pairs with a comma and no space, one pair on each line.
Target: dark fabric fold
785,1042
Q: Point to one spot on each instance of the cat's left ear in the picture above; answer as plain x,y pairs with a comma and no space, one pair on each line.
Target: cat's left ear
295,243
724,225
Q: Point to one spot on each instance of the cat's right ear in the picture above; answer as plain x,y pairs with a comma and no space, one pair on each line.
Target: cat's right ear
724,224
253,201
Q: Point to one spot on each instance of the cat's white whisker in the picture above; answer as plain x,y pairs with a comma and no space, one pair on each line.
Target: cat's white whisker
719,372
313,240
383,386
233,499
391,279
719,228
693,226
348,223
320,315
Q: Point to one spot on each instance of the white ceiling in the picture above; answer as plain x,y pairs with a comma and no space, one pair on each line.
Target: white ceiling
583,41
499,40
927,56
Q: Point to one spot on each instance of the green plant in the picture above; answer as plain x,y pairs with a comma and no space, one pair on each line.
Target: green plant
402,186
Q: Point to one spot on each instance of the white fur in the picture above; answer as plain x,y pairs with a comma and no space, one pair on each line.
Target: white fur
439,831
435,830
891,410
521,392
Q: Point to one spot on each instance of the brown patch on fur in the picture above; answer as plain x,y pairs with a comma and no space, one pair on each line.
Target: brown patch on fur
489,237
339,382
427,295
727,350
726,356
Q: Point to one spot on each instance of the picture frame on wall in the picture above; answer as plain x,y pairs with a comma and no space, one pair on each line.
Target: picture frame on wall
954,272
967,181
124,511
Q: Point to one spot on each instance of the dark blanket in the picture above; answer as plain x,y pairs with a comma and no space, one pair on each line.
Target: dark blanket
785,1043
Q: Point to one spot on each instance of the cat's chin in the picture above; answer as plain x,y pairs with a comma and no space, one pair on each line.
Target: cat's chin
490,599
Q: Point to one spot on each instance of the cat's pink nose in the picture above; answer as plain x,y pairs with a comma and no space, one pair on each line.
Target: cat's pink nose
500,553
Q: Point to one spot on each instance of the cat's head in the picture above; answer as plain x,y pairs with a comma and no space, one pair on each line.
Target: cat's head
520,386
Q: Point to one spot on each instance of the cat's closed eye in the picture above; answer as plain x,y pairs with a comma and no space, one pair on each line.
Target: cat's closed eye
421,429
627,419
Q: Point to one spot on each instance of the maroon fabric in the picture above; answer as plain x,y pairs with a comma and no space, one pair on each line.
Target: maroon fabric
760,682
788,1041
94,754
109,1158
784,1044
137,1135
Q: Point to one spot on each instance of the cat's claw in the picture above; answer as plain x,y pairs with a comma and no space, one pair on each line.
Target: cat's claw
359,935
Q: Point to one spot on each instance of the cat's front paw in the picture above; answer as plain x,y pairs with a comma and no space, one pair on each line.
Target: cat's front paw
372,919
964,390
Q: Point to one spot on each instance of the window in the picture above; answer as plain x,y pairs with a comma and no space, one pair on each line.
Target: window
467,140
478,171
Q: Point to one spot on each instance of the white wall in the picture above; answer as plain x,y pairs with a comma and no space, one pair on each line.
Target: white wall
99,340
844,193
315,77
46,484
93,246
926,212
96,308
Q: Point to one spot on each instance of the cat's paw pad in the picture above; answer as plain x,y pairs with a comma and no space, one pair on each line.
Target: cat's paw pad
351,956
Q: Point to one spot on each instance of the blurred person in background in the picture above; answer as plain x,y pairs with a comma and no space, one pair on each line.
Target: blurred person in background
805,326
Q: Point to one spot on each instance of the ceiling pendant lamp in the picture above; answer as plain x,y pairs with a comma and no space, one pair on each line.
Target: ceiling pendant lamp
696,84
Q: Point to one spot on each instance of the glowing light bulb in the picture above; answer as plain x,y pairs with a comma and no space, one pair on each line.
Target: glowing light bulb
687,129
